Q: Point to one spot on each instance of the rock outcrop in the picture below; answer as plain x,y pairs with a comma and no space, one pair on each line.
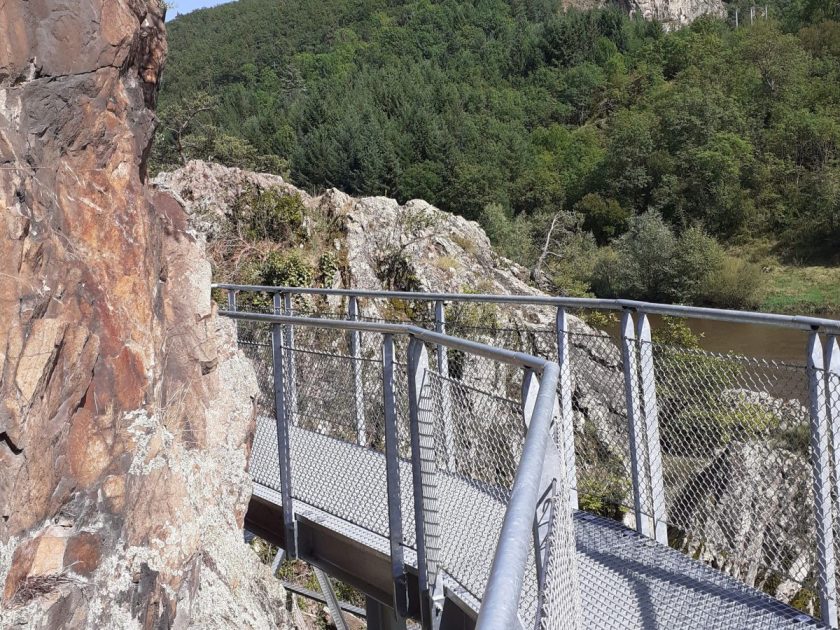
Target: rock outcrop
673,14
125,408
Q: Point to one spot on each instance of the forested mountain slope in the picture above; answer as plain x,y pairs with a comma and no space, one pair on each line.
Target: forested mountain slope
612,155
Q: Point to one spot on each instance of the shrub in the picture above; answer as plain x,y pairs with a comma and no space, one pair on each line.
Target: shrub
286,269
268,215
327,268
510,236
697,257
605,218
736,283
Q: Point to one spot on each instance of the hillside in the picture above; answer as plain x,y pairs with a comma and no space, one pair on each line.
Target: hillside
576,130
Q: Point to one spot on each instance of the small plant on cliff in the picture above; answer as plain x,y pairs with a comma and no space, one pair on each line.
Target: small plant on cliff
389,252
268,215
327,268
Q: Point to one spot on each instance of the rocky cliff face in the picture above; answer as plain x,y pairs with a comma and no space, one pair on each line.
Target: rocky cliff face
673,14
125,409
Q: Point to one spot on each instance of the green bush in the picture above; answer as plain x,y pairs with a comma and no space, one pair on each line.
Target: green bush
511,236
736,283
327,268
605,218
286,269
268,215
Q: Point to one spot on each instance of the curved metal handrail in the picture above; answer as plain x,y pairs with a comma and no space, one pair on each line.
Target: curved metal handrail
500,603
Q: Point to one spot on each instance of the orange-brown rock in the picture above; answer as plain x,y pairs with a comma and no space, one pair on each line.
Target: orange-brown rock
125,409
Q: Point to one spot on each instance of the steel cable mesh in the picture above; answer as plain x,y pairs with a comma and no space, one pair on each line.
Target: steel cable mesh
559,606
478,441
737,477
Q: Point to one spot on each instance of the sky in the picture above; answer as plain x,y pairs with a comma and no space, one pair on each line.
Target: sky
185,6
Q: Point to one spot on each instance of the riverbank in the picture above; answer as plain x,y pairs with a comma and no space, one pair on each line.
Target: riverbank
812,290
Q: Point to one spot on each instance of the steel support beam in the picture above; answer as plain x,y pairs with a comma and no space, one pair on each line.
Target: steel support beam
381,617
392,468
446,389
424,476
566,427
282,424
333,604
358,381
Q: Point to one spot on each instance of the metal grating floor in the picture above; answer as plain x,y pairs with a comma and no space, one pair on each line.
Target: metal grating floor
627,581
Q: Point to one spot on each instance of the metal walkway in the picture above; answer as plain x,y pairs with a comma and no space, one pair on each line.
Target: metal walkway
627,581
441,475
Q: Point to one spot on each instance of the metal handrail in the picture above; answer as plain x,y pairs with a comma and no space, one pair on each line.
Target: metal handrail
499,606
510,357
500,603
651,308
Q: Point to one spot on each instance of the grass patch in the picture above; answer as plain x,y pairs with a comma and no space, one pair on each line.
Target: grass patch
802,290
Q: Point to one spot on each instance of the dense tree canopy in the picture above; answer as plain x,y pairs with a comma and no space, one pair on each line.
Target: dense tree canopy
510,111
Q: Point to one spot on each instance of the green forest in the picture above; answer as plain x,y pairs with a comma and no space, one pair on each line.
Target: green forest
611,156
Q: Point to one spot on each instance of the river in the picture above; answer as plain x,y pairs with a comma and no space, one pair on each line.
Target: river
768,342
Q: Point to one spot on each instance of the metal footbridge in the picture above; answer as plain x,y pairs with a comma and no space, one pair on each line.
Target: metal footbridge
470,479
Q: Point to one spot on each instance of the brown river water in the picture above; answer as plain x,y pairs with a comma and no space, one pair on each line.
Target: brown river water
766,342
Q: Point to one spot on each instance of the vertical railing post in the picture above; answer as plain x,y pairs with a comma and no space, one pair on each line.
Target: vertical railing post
567,425
446,389
291,367
424,477
282,427
821,467
392,472
832,394
641,496
231,306
358,382
650,411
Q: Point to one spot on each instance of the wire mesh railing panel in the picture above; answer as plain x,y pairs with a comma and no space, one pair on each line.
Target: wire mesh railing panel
332,468
478,442
602,447
559,598
735,453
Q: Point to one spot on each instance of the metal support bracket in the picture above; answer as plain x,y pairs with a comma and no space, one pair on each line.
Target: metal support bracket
564,389
635,426
446,389
332,601
650,411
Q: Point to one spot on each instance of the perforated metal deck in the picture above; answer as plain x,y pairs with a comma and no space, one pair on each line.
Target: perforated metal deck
627,581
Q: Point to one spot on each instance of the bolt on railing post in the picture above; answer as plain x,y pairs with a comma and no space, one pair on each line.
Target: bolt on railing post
446,389
291,368
567,426
282,427
358,382
641,496
650,411
821,467
392,473
424,477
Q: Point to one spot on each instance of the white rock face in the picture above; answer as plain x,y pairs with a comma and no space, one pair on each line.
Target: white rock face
676,13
